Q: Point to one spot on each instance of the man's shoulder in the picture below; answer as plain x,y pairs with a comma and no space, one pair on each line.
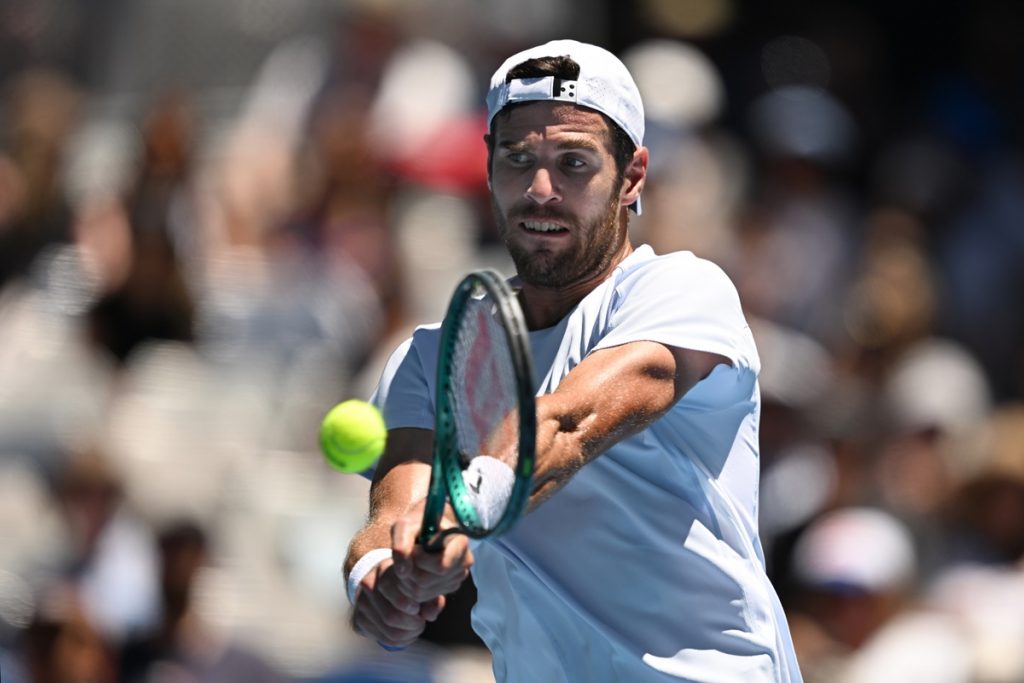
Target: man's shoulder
427,331
421,343
678,267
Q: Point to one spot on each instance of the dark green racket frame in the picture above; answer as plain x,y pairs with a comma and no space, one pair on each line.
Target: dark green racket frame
446,481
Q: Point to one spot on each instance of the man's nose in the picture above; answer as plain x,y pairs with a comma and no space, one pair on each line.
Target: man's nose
542,188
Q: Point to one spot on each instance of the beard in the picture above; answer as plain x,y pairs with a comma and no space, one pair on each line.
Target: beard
567,267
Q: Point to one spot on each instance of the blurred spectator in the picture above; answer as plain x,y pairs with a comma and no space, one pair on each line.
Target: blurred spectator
982,258
161,200
61,645
857,568
980,589
987,605
42,111
182,647
296,257
153,302
924,391
892,299
699,175
933,397
344,212
987,511
971,621
798,241
914,645
108,556
153,297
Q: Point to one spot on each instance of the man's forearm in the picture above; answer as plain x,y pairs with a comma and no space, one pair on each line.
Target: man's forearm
609,396
401,480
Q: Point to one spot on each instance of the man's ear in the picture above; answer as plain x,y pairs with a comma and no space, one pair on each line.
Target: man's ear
635,176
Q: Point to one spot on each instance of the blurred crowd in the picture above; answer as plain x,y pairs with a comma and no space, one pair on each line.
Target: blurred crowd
217,219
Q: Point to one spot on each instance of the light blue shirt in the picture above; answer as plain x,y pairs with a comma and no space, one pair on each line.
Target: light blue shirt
646,566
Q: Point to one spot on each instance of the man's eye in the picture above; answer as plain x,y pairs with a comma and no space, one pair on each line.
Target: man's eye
517,157
574,162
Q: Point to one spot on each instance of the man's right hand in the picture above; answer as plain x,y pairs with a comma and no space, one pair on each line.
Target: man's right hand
397,598
383,610
425,575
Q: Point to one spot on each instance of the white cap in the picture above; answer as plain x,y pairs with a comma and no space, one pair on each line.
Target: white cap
856,547
604,84
937,383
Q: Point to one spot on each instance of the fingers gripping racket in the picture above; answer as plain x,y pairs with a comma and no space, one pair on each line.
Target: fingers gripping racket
484,406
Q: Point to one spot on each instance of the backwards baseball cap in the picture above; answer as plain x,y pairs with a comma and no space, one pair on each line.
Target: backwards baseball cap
604,84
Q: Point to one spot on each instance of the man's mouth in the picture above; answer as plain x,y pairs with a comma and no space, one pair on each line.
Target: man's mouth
543,226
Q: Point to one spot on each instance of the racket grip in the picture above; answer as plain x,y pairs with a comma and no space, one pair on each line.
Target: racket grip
435,543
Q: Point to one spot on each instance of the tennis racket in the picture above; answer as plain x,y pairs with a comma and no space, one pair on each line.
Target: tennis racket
484,406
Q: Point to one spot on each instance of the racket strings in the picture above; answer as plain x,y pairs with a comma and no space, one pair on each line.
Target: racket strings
482,391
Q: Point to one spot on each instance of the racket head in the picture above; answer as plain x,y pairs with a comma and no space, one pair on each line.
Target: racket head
484,401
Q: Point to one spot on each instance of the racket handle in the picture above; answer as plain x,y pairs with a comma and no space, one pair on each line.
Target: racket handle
435,543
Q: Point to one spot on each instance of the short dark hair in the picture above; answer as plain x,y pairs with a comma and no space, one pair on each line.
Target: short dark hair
566,68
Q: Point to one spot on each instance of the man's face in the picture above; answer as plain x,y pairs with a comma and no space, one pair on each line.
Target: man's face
556,192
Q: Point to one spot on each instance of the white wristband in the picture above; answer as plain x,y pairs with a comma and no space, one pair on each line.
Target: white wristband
363,567
489,482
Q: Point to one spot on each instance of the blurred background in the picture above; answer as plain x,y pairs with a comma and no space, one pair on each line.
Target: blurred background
218,218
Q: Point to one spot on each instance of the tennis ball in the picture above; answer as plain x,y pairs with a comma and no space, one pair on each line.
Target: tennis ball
352,436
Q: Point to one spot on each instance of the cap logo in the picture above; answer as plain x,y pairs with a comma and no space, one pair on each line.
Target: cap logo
543,88
563,90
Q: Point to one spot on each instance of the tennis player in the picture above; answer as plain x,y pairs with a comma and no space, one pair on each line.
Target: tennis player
639,558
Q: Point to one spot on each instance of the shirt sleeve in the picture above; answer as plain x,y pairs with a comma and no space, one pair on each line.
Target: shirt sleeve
685,302
405,393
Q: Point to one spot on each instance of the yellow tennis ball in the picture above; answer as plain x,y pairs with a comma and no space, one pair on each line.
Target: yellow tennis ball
352,436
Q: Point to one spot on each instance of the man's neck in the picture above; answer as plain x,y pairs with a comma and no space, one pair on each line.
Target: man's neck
544,306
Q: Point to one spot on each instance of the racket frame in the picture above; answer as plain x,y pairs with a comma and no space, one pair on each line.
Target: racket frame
446,483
